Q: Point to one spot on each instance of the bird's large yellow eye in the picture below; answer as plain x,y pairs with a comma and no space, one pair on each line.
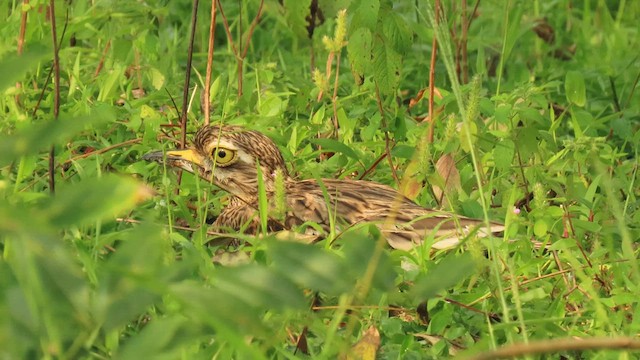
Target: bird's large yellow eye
223,156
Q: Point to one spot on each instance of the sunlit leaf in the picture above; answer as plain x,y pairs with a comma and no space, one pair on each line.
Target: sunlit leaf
575,88
367,347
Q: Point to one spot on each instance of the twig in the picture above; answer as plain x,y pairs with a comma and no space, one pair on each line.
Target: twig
373,166
240,55
386,136
463,44
187,80
558,345
432,79
254,23
101,151
227,29
101,63
21,33
56,97
334,97
207,84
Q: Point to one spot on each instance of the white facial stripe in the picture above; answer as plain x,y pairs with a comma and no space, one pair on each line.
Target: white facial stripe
245,158
222,143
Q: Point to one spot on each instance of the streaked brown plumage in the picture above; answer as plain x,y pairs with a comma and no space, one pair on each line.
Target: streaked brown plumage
228,156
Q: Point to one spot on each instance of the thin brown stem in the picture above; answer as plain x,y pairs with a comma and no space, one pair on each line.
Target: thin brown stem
104,55
56,96
254,23
210,50
432,79
21,33
23,27
463,44
225,24
334,97
242,52
387,140
187,80
373,166
102,151
555,346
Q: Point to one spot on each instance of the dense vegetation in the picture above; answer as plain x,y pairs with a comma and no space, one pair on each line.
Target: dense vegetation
534,123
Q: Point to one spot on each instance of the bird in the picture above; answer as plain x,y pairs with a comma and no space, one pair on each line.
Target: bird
234,158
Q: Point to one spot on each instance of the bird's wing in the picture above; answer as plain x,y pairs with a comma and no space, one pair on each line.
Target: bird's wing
404,223
238,215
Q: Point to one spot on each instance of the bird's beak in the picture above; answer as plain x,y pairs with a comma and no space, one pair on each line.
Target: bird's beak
187,159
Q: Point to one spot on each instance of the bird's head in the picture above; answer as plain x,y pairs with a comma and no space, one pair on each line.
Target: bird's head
228,156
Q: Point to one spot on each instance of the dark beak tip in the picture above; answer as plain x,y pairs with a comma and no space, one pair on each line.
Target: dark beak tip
153,156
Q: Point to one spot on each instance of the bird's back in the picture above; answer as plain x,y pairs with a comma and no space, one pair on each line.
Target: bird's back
403,222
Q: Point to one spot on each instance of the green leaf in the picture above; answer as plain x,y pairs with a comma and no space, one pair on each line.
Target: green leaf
503,154
396,31
134,278
296,12
14,67
365,14
386,66
310,266
166,338
335,146
444,275
359,52
39,136
465,136
575,88
358,247
540,228
259,287
94,199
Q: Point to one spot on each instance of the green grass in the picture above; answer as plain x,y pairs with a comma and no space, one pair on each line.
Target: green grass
544,137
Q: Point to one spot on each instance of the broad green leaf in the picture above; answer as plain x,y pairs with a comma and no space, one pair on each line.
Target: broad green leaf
14,67
39,136
157,78
318,116
396,32
335,146
386,66
575,88
166,338
503,154
232,318
310,266
469,136
540,228
365,14
296,12
359,52
359,247
259,287
133,278
444,275
272,105
94,199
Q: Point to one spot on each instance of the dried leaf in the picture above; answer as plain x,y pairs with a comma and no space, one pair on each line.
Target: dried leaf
446,168
366,347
